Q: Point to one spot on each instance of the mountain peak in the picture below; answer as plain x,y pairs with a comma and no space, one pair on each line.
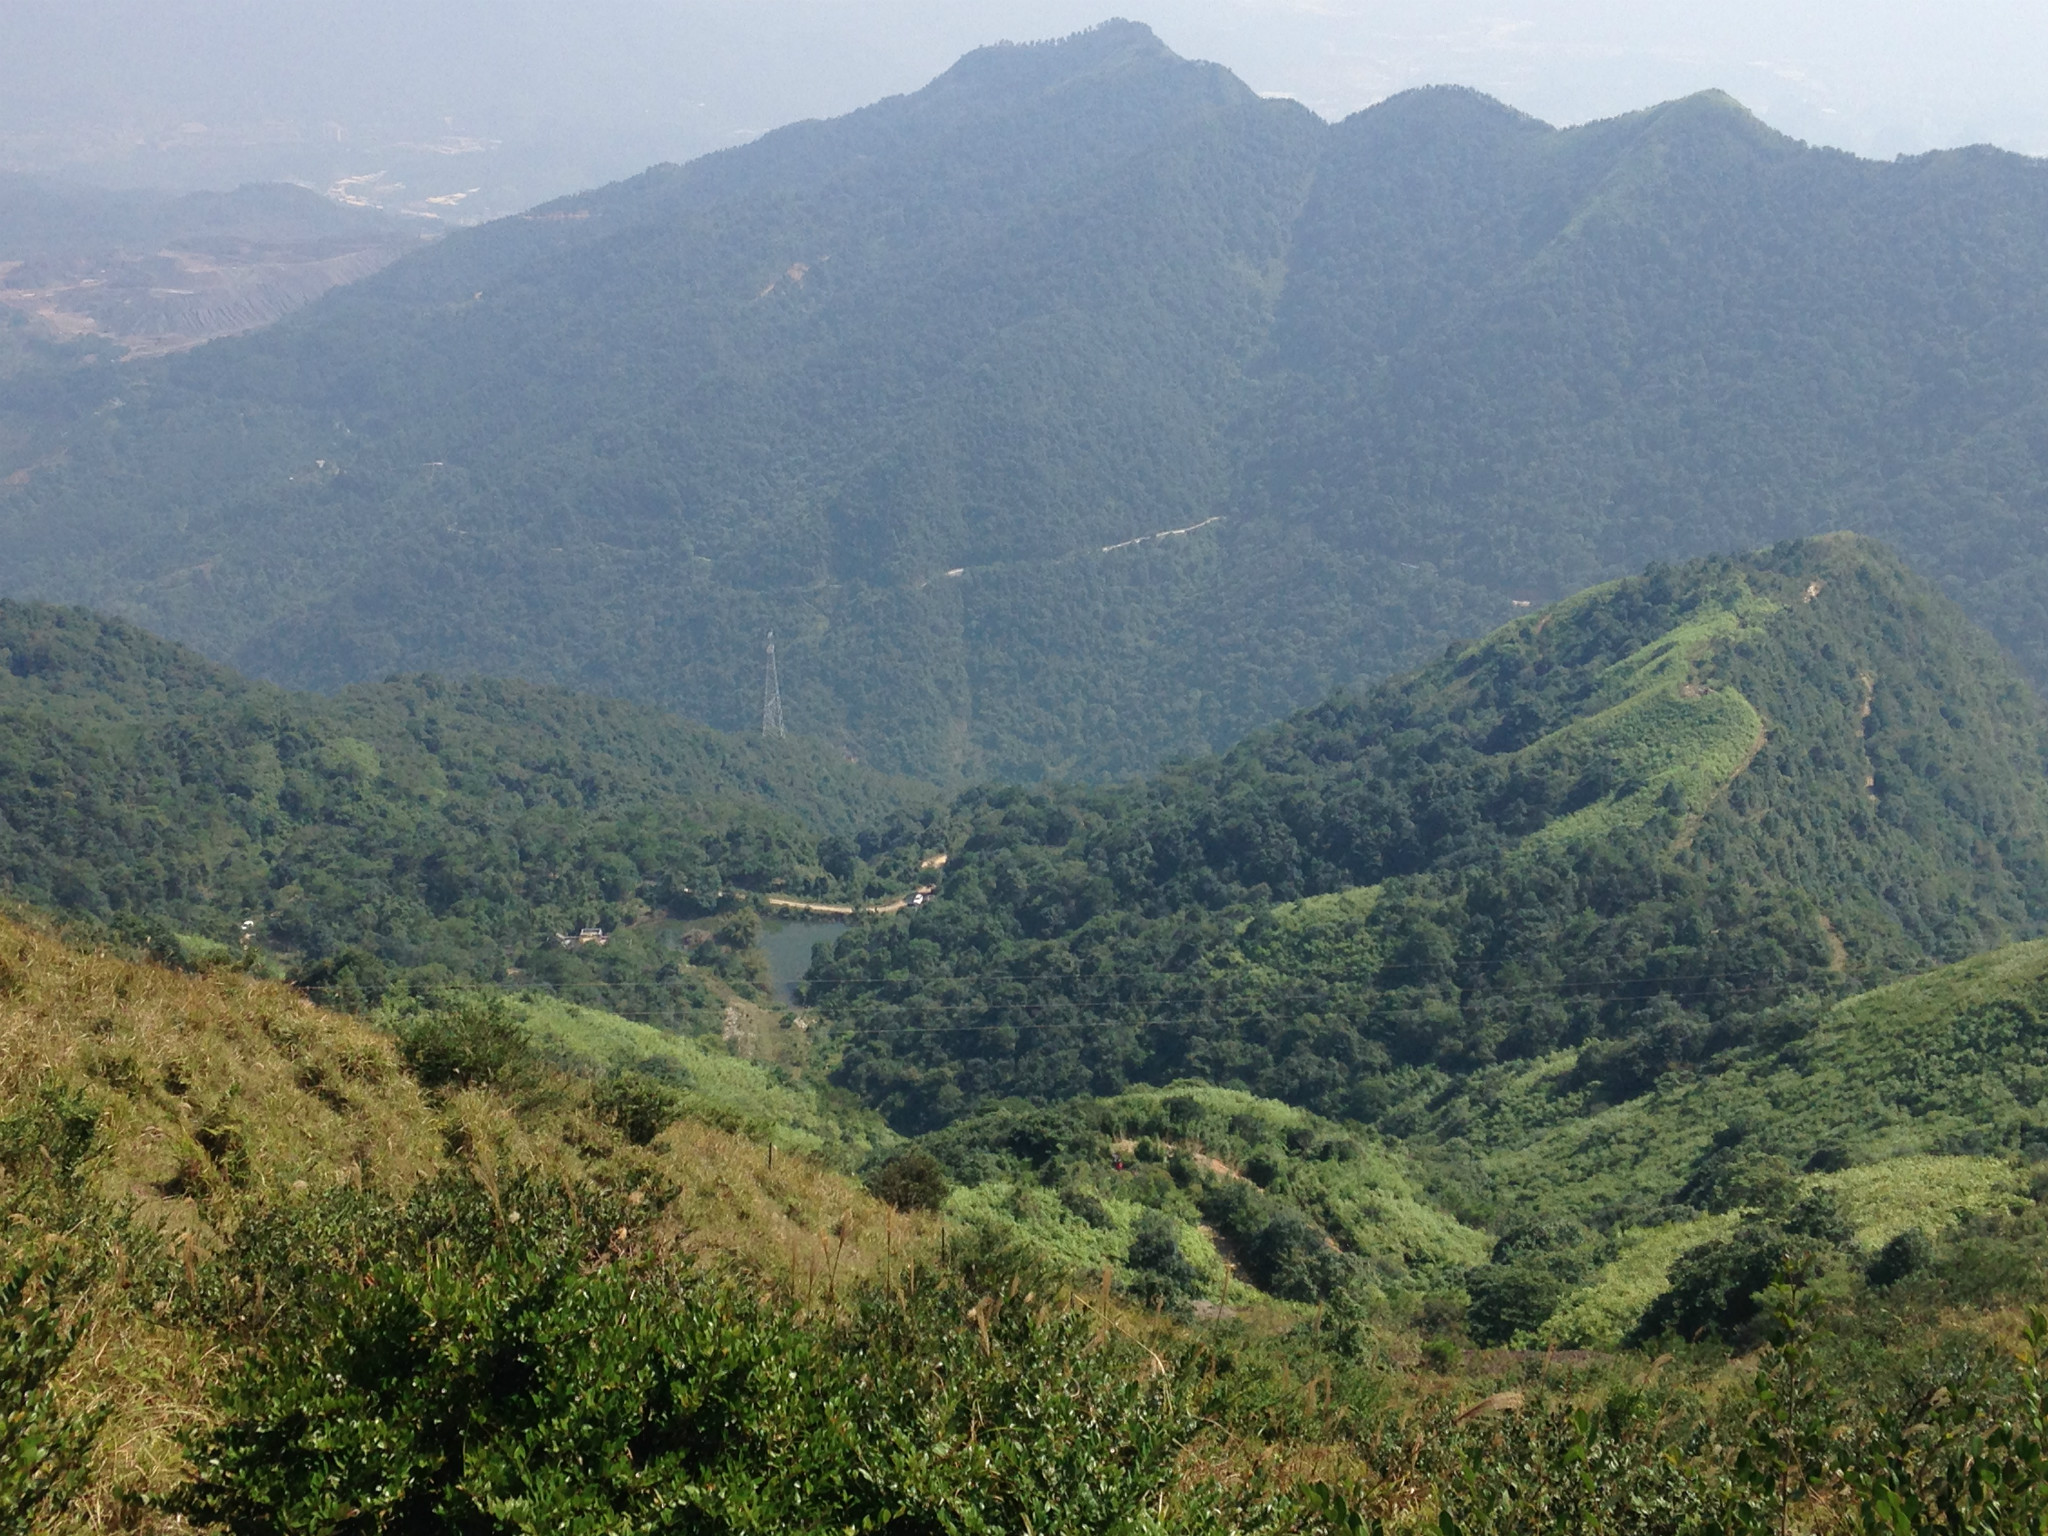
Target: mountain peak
1042,65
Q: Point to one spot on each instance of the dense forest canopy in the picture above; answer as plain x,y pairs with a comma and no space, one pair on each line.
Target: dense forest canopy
917,387
429,823
1637,822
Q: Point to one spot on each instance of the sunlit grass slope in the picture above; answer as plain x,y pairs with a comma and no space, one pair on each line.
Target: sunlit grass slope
762,1100
1951,1062
189,1102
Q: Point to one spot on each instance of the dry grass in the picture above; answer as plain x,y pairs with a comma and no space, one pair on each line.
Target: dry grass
218,1093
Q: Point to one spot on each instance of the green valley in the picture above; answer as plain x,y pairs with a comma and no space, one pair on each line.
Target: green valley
1407,891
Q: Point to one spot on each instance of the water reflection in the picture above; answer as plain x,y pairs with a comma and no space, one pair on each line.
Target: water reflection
787,943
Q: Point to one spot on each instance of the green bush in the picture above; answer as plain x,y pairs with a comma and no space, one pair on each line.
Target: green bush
910,1181
524,1395
1716,1288
53,1132
639,1107
1508,1299
1904,1256
471,1042
1819,1215
1156,1271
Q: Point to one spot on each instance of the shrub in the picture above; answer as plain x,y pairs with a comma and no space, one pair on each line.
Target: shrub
1292,1257
54,1131
640,1108
1537,1237
353,981
1508,1299
1086,1205
521,1395
1266,1166
1714,1288
472,1042
1440,1354
1904,1256
1156,1271
910,1181
1819,1215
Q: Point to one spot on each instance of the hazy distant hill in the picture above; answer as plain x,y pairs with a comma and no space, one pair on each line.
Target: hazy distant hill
154,272
917,388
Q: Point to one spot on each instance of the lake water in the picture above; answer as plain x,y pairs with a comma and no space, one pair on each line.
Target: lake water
787,944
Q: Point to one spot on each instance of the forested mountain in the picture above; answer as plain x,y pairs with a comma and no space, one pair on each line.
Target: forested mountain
1647,821
916,387
426,822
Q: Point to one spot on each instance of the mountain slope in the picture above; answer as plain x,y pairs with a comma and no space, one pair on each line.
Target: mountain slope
785,389
1645,818
1937,1065
431,822
1081,410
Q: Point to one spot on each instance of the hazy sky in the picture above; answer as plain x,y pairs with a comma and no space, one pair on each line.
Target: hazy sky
527,98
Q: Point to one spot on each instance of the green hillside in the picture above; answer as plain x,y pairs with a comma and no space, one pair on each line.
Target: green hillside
446,828
1078,411
1650,822
1913,1108
1944,1064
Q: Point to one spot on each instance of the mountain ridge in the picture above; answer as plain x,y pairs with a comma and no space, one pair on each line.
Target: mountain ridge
1415,365
1642,822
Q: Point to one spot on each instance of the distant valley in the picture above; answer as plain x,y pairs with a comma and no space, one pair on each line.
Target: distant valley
154,273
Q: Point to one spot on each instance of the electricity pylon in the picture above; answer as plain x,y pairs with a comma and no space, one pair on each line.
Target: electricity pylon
771,696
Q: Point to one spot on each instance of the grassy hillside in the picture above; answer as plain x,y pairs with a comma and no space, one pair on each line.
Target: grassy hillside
1642,823
1279,1200
455,826
1943,1064
1078,411
267,1264
157,1123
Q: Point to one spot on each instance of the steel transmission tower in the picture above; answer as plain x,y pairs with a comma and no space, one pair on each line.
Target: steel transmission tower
771,696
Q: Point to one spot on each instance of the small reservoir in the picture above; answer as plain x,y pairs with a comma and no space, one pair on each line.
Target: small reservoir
787,942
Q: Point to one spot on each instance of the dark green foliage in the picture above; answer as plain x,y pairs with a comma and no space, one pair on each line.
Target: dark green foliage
1156,1272
1422,363
1285,1252
52,1132
1716,1290
1510,1299
44,1442
910,1181
1736,1174
1819,1215
1534,1259
469,1041
638,1106
1553,1468
1475,864
1537,1239
1900,1258
1974,1460
522,1395
403,825
352,980
1085,1204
